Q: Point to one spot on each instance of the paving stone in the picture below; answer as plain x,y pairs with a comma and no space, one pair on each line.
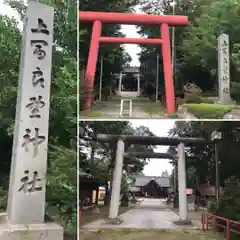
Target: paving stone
151,213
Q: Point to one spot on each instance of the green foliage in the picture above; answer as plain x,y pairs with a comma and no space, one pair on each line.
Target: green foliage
195,44
235,90
3,199
114,56
193,98
203,155
208,111
101,166
228,206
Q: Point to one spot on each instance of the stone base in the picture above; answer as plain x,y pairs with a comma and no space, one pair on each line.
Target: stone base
183,222
231,102
112,221
45,231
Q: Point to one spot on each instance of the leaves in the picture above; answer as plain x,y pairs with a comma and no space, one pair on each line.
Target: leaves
204,154
105,154
196,45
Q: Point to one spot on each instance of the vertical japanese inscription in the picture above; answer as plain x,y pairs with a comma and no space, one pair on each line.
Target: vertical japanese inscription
224,69
27,186
30,185
35,104
31,181
35,139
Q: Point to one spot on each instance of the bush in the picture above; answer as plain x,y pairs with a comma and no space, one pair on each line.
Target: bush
235,91
229,206
193,89
193,98
3,199
208,111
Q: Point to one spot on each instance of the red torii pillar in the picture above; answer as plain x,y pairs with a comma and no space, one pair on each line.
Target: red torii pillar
133,19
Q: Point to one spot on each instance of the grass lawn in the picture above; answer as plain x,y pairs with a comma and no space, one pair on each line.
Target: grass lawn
153,108
143,234
93,113
208,111
173,116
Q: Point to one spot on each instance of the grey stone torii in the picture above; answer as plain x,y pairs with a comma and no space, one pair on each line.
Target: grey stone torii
148,140
24,219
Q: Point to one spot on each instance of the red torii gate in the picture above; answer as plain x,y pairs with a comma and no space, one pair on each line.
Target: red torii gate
133,19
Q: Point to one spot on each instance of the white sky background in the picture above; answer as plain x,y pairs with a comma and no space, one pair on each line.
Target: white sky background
6,10
160,128
133,49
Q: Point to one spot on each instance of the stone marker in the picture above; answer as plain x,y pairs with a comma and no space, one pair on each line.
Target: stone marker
223,70
26,198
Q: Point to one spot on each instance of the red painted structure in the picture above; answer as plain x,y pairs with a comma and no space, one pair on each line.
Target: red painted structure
227,224
135,19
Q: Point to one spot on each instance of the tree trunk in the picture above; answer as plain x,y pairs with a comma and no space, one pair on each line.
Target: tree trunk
106,197
97,196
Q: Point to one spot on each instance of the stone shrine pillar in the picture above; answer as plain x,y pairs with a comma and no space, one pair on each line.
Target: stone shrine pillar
120,82
138,84
117,180
223,70
26,197
182,183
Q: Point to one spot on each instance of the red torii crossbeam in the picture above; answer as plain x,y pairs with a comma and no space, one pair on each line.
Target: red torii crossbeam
133,19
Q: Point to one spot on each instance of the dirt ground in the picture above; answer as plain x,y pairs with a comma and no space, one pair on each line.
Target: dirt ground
143,234
88,215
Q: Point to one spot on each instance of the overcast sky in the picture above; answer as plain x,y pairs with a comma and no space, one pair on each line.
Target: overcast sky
160,128
4,9
133,49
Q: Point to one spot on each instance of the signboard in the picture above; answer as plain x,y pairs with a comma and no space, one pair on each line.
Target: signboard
189,191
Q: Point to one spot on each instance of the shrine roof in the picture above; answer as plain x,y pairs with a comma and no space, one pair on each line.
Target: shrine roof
144,180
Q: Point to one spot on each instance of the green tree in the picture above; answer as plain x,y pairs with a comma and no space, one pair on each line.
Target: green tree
103,164
202,159
228,206
114,56
196,45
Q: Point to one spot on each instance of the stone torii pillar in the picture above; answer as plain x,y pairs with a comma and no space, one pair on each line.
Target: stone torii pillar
120,83
182,183
117,180
138,84
149,140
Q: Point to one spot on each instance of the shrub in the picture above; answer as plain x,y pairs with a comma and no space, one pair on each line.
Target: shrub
229,206
3,199
192,98
192,88
235,91
208,111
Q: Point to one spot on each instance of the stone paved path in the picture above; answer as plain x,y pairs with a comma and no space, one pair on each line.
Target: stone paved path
151,213
113,110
